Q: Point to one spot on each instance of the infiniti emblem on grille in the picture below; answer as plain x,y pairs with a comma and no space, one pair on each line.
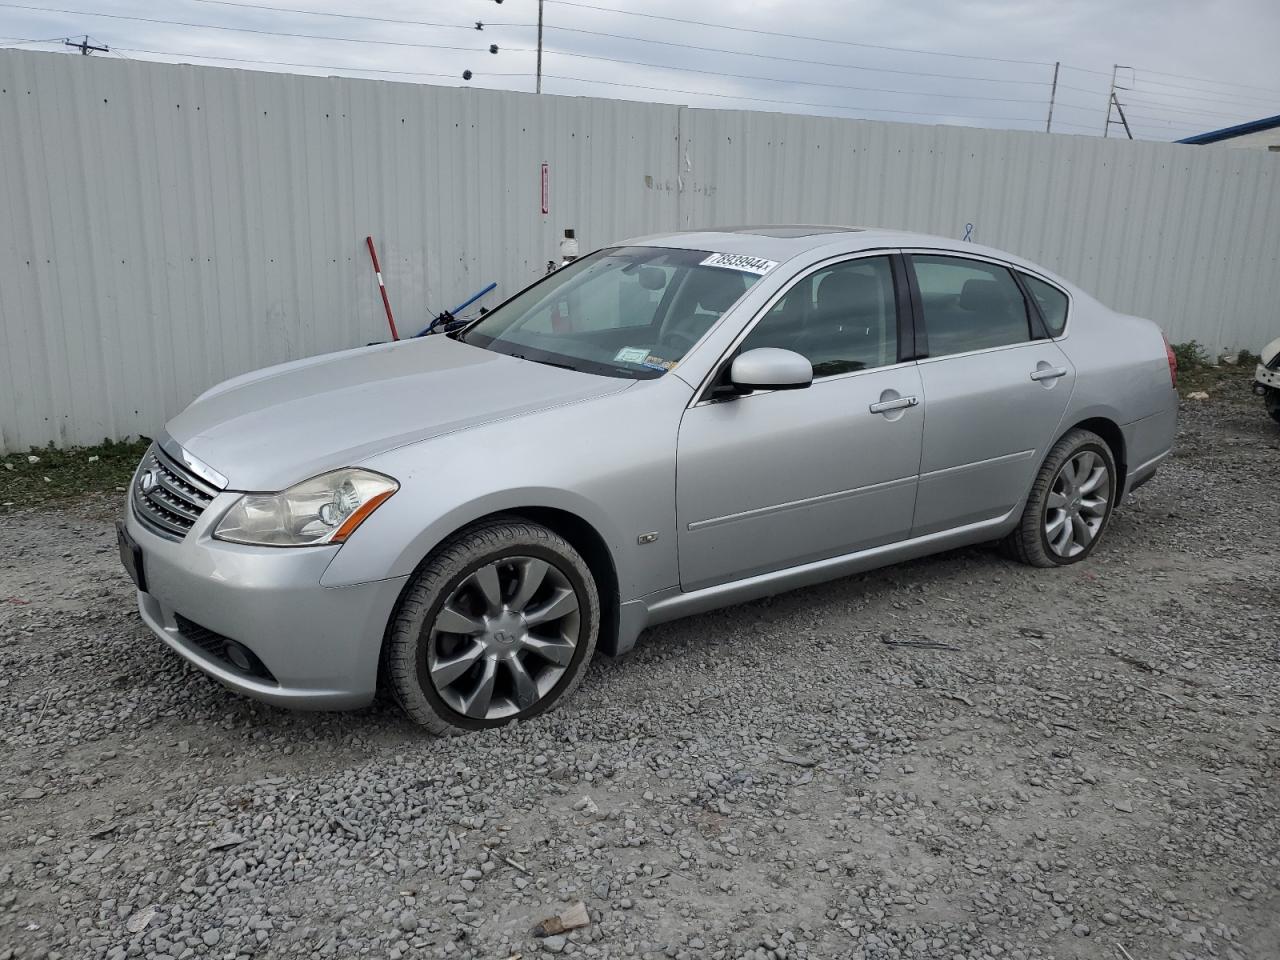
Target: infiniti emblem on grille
148,481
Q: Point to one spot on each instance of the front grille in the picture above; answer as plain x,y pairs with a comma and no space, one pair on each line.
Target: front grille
215,645
167,497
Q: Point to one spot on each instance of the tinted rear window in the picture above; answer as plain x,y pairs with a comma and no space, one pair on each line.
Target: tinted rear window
1052,303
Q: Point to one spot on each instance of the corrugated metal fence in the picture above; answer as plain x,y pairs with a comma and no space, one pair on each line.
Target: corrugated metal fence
165,227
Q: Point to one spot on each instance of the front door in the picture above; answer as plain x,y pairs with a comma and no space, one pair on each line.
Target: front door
778,478
995,395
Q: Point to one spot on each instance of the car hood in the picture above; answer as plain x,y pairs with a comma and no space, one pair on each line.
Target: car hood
1270,351
275,427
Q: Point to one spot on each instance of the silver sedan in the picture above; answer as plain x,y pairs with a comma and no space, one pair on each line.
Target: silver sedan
662,427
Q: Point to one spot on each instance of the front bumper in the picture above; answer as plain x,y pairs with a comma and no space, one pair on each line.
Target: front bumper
319,645
1264,378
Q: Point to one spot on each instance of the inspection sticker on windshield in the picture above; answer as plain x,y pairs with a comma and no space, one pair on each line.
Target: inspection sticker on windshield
632,355
740,261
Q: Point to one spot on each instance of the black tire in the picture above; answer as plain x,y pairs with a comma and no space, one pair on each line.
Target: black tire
1029,542
435,582
1272,399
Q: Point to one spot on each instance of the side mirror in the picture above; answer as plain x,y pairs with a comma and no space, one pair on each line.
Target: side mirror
770,368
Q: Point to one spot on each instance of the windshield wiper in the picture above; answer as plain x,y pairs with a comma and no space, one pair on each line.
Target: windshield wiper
548,363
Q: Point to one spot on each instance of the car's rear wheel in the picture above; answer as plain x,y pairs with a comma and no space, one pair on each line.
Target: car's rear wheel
498,625
1070,503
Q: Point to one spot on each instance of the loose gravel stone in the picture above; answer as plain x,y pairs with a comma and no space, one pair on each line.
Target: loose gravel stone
1088,760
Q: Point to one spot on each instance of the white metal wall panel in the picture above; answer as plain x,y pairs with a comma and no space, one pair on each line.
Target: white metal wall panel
1187,236
164,227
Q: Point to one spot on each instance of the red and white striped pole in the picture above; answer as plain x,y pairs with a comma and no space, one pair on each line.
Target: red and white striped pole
377,271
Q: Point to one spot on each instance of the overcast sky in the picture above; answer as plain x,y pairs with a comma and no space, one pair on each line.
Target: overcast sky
1196,64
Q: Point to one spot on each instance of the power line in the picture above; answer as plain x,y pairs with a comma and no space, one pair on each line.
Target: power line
1180,121
29,40
807,61
313,66
740,76
1074,106
1142,88
1270,102
1092,93
214,26
806,83
1202,111
1078,126
276,63
793,36
1229,83
1099,73
1179,76
344,16
1187,120
1205,95
1223,93
794,103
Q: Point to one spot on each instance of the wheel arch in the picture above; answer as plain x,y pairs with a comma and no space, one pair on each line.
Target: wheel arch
589,542
581,535
1113,436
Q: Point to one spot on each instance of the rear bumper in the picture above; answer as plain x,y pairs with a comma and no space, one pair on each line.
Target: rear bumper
319,645
1262,377
1144,472
1148,443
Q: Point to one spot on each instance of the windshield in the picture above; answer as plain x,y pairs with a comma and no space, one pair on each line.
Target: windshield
623,312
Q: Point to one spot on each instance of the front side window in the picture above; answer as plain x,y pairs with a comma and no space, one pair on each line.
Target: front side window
1051,301
969,304
625,312
842,318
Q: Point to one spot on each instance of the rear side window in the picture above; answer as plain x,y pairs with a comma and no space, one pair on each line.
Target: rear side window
1051,301
969,305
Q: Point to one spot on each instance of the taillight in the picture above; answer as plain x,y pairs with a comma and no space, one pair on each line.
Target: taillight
1173,362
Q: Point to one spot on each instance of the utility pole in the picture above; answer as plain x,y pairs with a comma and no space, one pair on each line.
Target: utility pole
539,46
1111,97
1053,95
1120,110
1113,101
85,47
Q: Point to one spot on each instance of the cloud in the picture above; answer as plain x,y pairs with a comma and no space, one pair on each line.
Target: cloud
997,73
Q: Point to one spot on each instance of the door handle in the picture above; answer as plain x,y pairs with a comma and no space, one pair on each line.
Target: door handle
1048,373
884,406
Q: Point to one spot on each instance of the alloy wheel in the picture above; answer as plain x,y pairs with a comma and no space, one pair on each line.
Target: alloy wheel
504,637
1077,504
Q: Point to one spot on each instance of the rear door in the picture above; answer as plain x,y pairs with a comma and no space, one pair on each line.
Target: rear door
995,385
779,478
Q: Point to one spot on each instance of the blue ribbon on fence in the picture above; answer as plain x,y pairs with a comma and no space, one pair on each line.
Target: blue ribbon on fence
968,232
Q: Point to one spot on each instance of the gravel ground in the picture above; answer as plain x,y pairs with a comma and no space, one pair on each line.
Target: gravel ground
1087,765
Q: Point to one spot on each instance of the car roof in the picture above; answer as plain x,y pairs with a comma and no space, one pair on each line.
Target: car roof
782,242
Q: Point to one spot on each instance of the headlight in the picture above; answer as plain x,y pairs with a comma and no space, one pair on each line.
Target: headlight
324,509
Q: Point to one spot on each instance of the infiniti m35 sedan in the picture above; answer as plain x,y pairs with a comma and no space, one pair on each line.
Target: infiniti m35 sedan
662,427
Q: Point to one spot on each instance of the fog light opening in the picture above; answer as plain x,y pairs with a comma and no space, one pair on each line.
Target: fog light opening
241,657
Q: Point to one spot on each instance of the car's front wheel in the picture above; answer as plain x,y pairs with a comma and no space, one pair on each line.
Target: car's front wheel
1273,404
1070,503
498,625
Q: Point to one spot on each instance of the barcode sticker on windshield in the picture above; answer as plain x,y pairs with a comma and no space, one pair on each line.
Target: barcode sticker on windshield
740,261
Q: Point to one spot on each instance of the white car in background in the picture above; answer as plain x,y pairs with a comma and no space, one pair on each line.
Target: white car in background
1266,379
